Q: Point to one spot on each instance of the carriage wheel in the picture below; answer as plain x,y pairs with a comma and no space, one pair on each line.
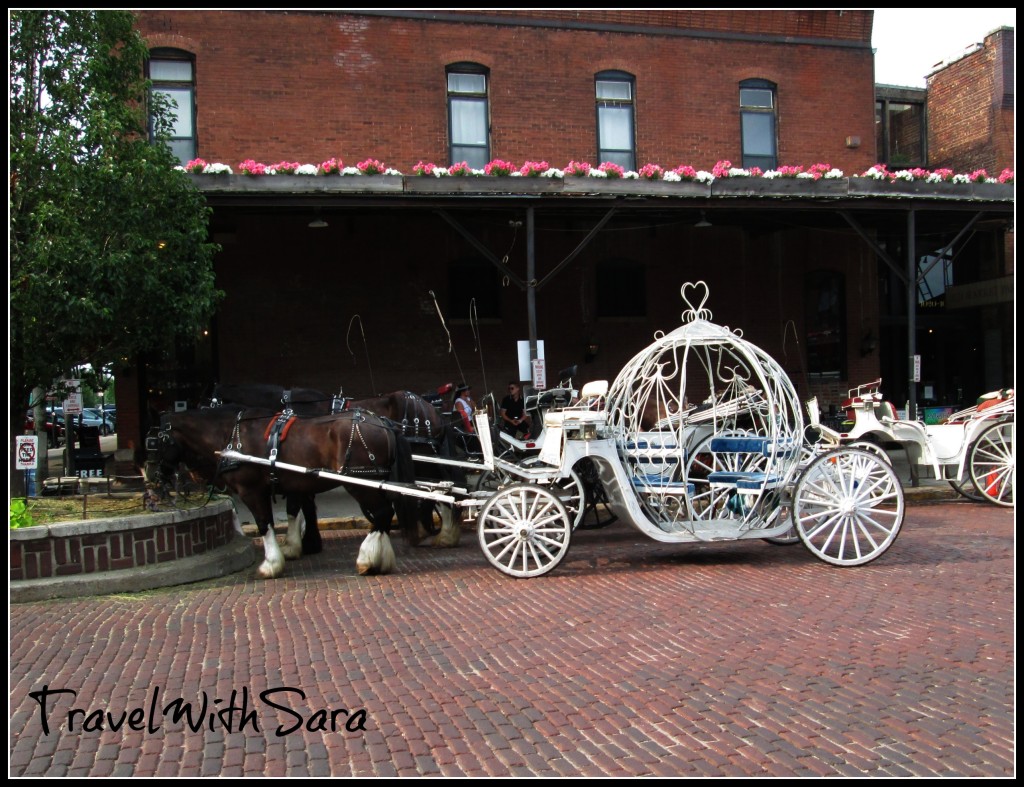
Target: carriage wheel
574,493
808,453
992,462
967,488
848,507
524,530
871,448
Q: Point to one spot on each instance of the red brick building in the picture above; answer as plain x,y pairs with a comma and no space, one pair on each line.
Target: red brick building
592,268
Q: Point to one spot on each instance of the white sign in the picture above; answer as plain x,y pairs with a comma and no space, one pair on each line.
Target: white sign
540,379
916,360
73,404
523,352
27,447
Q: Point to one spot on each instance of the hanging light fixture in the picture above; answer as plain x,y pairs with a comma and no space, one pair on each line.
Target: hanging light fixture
318,222
703,221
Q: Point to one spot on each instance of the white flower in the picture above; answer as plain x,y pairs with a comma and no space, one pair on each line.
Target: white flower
440,172
875,173
307,169
772,174
350,171
597,173
833,174
704,176
805,175
217,169
736,172
391,171
671,177
478,173
515,174
630,175
904,174
961,179
552,173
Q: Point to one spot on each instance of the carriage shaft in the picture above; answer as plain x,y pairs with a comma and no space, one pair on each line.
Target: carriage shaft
403,489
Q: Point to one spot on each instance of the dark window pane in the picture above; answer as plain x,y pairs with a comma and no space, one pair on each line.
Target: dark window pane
825,316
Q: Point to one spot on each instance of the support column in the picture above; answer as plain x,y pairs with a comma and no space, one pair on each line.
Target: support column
911,314
531,283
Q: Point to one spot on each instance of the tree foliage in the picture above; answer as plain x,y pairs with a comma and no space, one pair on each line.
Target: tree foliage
108,242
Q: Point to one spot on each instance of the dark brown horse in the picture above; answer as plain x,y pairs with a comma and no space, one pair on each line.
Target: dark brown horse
421,424
357,444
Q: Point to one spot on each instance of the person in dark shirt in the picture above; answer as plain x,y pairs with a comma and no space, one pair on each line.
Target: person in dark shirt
514,418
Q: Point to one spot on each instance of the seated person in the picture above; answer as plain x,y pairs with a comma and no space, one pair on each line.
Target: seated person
465,406
514,418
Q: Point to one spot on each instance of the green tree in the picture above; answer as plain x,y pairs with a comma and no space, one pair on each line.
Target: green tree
108,242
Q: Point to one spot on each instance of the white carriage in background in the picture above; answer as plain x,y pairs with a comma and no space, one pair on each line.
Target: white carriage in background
973,449
698,439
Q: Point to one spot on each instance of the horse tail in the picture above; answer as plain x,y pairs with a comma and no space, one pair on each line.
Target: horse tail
403,471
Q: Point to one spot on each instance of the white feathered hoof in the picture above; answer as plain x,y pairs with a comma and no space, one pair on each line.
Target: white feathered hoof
293,541
273,560
376,555
268,570
451,530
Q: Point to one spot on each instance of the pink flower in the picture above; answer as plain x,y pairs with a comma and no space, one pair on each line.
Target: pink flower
498,168
978,176
686,172
196,166
423,168
651,172
721,169
577,168
371,167
285,167
332,166
534,169
612,170
1006,176
462,169
254,168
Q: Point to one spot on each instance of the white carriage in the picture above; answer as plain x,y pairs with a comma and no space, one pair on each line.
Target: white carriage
974,449
729,468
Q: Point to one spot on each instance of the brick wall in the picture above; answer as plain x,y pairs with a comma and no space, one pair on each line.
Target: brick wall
94,547
971,109
308,86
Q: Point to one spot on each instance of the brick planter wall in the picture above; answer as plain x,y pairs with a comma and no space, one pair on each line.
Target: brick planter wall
127,553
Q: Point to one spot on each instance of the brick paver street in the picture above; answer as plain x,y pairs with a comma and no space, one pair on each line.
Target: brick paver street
632,658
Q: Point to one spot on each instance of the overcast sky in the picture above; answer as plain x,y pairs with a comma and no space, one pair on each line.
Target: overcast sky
909,41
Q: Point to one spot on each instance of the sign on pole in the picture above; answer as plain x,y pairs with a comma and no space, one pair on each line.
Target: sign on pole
73,404
540,379
917,368
27,448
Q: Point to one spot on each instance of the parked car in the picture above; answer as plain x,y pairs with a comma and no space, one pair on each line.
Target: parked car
55,432
93,416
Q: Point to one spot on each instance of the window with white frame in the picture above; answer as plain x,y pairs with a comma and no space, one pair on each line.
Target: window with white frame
468,115
616,137
758,124
172,73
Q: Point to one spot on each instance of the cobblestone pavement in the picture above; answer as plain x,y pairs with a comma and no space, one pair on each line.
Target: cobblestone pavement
632,658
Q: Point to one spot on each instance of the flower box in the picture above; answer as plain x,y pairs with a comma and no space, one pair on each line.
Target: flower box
647,188
481,185
861,187
775,187
298,184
